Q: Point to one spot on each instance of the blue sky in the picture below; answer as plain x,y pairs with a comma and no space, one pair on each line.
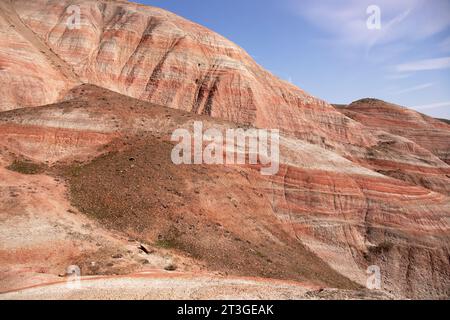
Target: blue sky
326,48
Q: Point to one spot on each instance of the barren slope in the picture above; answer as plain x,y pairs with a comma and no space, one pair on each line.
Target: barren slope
429,133
30,73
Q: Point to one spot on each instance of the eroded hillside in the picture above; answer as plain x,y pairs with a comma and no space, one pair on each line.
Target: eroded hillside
113,153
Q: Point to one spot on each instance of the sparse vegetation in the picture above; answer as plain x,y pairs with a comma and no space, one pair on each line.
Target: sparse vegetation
166,244
447,121
150,199
259,254
26,167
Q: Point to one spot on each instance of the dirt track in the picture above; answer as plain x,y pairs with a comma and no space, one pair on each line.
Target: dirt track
158,285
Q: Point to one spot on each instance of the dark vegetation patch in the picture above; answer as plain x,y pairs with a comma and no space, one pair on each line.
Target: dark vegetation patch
26,167
166,244
382,247
339,106
447,121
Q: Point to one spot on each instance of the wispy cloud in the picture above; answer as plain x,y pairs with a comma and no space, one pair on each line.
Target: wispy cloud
343,23
388,29
415,88
433,105
398,76
422,65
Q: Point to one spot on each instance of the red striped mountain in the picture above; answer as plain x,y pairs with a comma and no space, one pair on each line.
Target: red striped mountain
352,192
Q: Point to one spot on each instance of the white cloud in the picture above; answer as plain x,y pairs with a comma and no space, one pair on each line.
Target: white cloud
422,65
433,105
415,88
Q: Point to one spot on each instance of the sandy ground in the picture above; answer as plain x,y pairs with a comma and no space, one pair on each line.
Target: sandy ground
179,286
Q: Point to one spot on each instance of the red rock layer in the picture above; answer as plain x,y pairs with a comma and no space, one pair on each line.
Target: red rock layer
431,134
47,144
30,73
359,220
